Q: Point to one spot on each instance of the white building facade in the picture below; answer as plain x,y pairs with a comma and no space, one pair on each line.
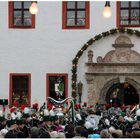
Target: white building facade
49,48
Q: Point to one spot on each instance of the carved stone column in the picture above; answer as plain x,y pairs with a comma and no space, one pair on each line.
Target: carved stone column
90,56
91,91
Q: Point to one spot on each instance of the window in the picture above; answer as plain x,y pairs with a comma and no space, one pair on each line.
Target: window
128,14
20,89
19,15
57,86
75,15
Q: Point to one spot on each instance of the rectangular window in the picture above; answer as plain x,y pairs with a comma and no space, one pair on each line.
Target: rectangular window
20,89
128,14
57,86
75,14
19,15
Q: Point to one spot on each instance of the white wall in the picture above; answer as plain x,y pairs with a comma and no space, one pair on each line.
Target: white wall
48,48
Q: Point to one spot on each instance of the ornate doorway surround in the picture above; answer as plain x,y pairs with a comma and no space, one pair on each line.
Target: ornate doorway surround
119,65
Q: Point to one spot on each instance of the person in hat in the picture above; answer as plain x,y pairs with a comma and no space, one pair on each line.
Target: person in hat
21,135
136,130
27,118
47,121
10,134
13,128
3,133
69,131
2,120
22,127
122,124
104,122
45,135
128,117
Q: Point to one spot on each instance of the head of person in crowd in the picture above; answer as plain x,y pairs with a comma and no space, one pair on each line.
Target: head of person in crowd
3,132
47,120
56,121
105,133
95,136
136,134
117,133
84,133
69,131
69,128
90,131
21,135
10,134
128,133
78,130
2,120
20,123
121,119
34,132
60,135
45,134
135,126
53,134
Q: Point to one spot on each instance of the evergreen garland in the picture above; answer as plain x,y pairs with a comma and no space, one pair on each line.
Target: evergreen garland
90,42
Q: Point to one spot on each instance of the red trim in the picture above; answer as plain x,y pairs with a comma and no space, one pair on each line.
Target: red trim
118,4
11,14
11,85
64,17
118,13
56,74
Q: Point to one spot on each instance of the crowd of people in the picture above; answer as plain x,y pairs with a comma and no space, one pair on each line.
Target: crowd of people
98,121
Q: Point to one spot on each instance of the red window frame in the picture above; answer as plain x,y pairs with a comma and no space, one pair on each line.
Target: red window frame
64,17
118,4
11,87
56,74
11,15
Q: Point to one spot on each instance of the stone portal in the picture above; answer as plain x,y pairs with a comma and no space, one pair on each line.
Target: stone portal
121,65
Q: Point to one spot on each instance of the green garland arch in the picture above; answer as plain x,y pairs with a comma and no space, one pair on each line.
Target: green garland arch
89,43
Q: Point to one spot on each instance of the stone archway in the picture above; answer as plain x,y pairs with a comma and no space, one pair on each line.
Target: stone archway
122,63
103,94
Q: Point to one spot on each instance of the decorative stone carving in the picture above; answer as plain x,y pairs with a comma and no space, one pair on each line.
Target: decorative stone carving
89,79
122,39
90,56
122,52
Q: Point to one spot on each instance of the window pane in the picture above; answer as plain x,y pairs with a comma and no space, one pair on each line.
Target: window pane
124,22
124,14
70,14
135,15
27,18
80,22
81,14
124,4
27,4
134,22
17,5
20,89
70,22
70,5
81,5
17,18
135,4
